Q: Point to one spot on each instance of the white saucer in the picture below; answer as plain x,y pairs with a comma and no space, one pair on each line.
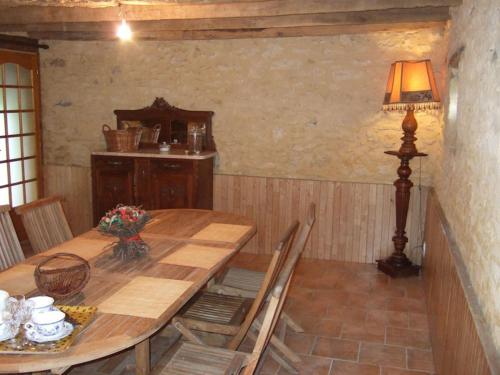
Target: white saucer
66,331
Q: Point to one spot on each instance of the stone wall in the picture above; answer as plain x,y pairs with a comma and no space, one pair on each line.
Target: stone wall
297,107
468,178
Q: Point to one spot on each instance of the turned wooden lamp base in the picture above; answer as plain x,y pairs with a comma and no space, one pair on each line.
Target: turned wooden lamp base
398,264
390,268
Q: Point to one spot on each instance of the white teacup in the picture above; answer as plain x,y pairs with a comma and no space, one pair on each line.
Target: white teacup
49,323
41,304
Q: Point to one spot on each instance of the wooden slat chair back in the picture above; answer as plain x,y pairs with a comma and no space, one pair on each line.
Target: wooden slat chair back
279,293
230,315
11,252
237,281
196,359
273,271
45,223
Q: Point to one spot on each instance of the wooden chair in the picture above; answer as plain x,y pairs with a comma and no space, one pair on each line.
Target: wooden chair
235,281
45,223
197,359
10,249
233,315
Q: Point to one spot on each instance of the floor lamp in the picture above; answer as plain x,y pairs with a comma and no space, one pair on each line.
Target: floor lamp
411,86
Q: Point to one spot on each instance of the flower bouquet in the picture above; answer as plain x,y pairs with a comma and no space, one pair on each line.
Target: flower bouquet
125,222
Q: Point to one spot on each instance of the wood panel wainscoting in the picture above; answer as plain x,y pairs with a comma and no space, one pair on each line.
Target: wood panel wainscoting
355,221
461,342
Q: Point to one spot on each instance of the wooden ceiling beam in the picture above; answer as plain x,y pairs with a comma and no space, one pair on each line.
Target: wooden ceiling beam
195,10
273,32
307,20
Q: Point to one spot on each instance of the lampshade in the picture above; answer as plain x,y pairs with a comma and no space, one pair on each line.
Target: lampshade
411,85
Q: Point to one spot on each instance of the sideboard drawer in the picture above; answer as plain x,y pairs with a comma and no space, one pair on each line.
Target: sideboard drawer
174,166
106,162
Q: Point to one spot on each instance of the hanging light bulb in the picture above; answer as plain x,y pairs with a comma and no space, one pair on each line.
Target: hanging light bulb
124,32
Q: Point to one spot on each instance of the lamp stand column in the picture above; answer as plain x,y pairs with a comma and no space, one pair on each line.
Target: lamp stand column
398,264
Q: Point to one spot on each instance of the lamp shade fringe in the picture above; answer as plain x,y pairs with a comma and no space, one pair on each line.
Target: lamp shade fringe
414,106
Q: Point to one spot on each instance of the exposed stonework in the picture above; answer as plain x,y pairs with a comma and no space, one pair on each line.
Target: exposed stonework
295,107
468,181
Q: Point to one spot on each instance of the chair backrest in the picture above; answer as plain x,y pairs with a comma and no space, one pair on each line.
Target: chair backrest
273,270
283,248
45,223
10,249
279,293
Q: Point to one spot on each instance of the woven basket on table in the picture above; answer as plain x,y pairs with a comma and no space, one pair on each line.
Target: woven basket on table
122,140
58,280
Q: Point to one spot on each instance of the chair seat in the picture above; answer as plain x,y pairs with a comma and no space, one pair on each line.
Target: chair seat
195,359
241,278
217,308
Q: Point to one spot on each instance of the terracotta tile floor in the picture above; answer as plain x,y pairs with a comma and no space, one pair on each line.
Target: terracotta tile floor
357,321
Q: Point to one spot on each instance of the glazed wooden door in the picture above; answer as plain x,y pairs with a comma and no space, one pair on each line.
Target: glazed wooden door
113,183
172,184
20,143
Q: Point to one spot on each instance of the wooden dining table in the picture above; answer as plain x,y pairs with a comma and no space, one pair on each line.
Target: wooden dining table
134,298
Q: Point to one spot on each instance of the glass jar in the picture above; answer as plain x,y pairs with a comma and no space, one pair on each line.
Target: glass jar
195,140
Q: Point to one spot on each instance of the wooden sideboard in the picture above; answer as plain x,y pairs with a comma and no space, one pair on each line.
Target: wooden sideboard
153,180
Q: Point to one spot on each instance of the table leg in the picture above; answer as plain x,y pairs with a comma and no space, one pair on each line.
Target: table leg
142,361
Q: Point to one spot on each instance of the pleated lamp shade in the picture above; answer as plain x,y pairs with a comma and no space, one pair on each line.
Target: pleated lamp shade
411,85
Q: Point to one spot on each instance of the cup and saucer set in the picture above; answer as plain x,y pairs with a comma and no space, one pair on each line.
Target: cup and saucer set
47,322
42,321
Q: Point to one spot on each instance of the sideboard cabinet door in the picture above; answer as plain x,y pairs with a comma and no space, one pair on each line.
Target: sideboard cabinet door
113,183
172,183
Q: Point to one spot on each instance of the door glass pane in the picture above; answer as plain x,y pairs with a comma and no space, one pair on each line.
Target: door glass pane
29,145
4,196
16,171
28,122
12,99
10,74
13,126
29,169
25,77
14,148
2,123
1,99
17,195
1,74
26,98
31,191
3,149
4,180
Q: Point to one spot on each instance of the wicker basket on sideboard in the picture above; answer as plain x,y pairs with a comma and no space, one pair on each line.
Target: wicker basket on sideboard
122,140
